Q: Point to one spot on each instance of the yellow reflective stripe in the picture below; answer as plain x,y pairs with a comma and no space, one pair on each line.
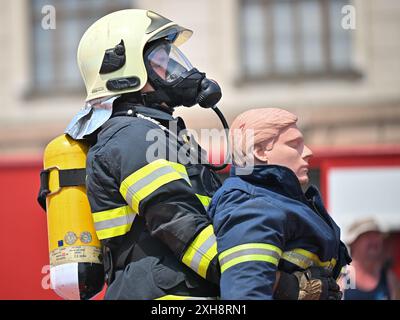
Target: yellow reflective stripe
206,259
111,214
299,261
113,222
141,173
150,188
305,259
113,232
247,258
144,171
205,201
148,179
240,247
201,251
249,252
174,297
151,167
181,169
313,257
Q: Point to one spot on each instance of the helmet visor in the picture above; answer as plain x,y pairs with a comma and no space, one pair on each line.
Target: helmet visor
168,62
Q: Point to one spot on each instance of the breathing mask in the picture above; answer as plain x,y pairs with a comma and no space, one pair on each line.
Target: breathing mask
175,81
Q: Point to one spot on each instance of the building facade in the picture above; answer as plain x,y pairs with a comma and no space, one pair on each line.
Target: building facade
295,54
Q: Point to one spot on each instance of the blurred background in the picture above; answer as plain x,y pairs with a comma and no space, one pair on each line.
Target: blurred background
334,63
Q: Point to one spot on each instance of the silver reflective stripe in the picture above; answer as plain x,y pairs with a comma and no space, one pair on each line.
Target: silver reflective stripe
298,259
195,264
303,261
116,222
205,200
185,177
137,186
245,252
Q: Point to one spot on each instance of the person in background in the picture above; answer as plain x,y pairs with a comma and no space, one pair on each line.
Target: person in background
373,278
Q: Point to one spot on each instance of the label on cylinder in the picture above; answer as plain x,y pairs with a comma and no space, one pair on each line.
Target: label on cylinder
63,255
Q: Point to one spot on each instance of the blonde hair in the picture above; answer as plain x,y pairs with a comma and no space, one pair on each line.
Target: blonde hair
256,127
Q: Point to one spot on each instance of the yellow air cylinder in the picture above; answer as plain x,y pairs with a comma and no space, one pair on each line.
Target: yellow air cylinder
76,270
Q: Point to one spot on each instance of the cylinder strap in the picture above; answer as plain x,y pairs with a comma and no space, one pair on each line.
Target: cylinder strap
67,178
72,177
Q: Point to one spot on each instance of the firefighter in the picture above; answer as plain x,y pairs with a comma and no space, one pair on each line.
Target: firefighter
267,228
148,208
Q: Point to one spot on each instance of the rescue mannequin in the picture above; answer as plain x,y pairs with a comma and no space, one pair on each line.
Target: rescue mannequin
267,228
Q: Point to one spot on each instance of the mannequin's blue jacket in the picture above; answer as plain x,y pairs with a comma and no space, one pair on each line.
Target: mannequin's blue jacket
264,222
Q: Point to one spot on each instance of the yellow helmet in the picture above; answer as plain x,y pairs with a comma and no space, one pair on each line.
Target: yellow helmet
110,53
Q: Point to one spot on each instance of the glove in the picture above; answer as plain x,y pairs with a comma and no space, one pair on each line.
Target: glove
314,283
317,284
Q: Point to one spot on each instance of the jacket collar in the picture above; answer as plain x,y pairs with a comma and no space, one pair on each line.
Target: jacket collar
163,116
155,112
282,180
273,177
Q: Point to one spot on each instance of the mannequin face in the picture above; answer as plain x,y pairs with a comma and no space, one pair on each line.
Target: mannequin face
289,151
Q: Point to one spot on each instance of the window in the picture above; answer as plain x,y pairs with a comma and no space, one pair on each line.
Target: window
55,69
284,39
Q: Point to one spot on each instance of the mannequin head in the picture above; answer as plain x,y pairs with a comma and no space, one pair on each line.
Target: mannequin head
269,136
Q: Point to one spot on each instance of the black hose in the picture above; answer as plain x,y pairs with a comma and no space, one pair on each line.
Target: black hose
226,127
